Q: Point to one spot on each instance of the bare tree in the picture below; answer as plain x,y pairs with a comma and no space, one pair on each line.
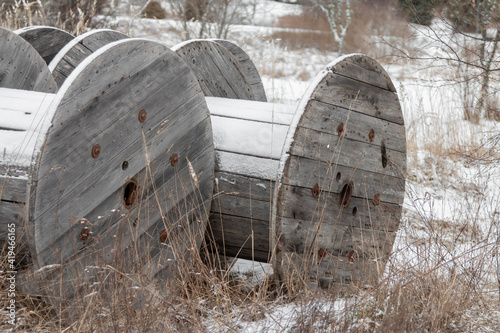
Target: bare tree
338,13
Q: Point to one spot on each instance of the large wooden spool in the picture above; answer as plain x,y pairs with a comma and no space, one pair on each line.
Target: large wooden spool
79,48
47,41
339,160
21,67
117,167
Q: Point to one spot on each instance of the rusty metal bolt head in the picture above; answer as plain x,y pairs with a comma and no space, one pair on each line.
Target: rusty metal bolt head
371,135
96,150
376,199
321,253
174,159
85,234
346,194
340,129
163,236
142,115
315,190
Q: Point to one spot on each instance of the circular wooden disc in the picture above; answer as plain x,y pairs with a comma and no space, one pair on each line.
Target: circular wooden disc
217,70
343,176
21,67
248,67
126,170
79,48
47,41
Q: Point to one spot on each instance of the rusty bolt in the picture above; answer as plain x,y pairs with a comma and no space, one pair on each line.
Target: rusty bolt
315,190
376,199
350,256
84,234
371,135
321,254
96,150
163,236
340,129
142,115
174,159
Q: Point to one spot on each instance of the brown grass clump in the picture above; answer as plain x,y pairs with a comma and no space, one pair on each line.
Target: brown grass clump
154,10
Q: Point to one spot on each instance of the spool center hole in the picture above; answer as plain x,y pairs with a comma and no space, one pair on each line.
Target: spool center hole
345,195
130,194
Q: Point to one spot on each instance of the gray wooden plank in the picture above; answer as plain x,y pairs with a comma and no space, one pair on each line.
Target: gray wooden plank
307,173
47,41
216,69
361,212
13,188
364,69
79,48
356,126
350,94
10,212
243,186
21,67
346,152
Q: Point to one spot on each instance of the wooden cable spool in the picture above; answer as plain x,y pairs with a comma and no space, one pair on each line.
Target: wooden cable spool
21,67
118,166
339,162
79,48
47,41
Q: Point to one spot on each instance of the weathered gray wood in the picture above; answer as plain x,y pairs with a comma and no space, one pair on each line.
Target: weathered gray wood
343,173
141,117
21,67
10,212
79,48
47,41
248,67
216,69
364,69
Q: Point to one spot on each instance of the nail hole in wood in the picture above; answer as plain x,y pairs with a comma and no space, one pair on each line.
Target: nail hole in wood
355,211
383,152
124,165
130,194
134,224
338,176
345,195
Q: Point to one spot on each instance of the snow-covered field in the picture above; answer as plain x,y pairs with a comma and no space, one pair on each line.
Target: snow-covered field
451,219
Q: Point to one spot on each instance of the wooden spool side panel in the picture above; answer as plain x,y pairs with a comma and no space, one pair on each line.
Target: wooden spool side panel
21,67
76,50
216,69
140,117
239,224
47,41
344,178
248,67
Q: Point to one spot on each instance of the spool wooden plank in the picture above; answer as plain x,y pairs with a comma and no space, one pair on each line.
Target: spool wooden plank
76,50
21,67
248,67
47,41
217,70
341,187
127,155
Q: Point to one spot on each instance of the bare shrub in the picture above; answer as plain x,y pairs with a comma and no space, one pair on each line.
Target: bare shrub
154,10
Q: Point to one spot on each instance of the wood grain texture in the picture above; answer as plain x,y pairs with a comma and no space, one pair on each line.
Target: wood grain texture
251,72
217,70
21,67
140,116
347,141
79,48
47,41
